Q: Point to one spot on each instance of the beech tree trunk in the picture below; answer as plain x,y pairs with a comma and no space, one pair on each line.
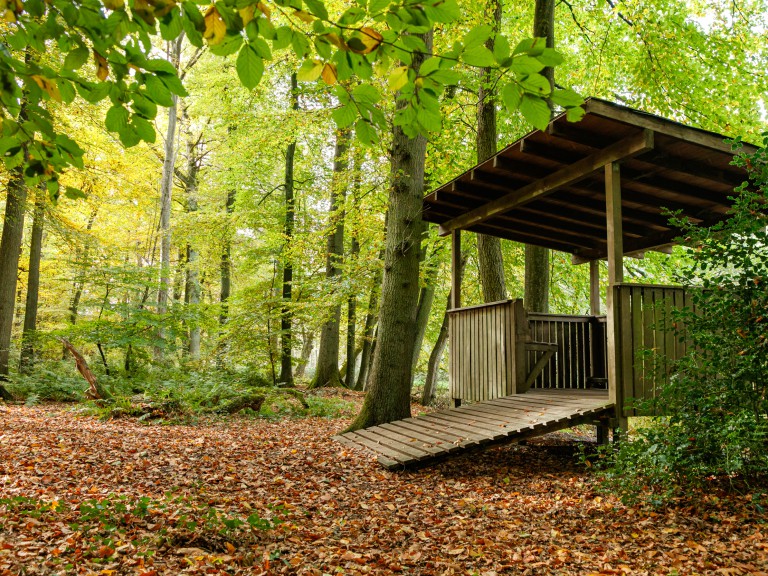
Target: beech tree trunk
369,327
306,351
327,373
433,366
489,256
166,189
10,253
389,385
28,338
349,376
226,264
537,258
192,287
286,313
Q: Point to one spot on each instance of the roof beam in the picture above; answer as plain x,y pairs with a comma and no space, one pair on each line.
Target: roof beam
626,148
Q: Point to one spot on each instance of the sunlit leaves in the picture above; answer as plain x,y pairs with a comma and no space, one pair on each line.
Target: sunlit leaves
365,41
535,110
309,71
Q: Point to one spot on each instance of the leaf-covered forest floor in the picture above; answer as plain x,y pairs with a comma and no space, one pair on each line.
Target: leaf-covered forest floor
83,496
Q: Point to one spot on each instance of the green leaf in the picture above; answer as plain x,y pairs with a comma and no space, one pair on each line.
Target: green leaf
144,106
144,129
366,93
524,65
94,92
66,90
376,6
531,46
428,66
229,45
479,56
171,25
250,66
566,98
446,77
283,36
159,65
442,10
512,95
173,83
365,133
74,193
158,91
344,116
317,8
501,48
76,58
117,118
300,45
398,78
477,36
537,84
309,71
536,111
550,57
575,114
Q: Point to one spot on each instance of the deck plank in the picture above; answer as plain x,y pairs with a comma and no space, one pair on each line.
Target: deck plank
427,438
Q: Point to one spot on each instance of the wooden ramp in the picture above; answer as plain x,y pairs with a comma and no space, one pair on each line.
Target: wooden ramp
428,438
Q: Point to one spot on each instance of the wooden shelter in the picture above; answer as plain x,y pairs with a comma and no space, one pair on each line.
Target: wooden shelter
597,189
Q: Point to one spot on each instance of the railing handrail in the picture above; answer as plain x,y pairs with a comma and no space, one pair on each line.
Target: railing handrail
652,286
576,318
476,306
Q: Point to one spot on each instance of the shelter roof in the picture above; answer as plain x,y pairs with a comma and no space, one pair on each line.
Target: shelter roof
548,188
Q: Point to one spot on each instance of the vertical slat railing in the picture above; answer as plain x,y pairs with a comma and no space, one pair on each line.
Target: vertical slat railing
580,358
649,340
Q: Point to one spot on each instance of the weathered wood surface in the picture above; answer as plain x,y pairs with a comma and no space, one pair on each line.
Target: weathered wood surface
426,439
647,344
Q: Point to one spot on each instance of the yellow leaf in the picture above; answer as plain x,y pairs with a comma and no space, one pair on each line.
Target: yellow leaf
144,10
336,40
102,68
309,71
50,86
247,13
329,74
398,78
215,28
367,40
264,9
304,16
114,4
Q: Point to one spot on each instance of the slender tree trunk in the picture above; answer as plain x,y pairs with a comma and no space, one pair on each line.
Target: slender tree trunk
349,377
286,313
166,189
369,326
226,264
27,359
327,373
489,256
389,387
306,351
192,288
10,253
433,366
537,258
81,260
426,299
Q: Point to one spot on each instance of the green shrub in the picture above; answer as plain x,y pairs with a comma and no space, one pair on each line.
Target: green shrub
717,397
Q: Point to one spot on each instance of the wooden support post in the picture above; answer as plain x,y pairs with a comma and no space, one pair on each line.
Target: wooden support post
456,269
594,288
455,302
615,276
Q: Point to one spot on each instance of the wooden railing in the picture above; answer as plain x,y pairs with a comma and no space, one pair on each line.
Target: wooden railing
649,338
486,362
580,359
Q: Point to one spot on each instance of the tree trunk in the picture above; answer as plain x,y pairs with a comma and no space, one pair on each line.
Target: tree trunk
349,377
537,258
10,253
27,359
306,351
226,264
371,317
389,387
166,189
327,373
192,288
426,299
433,366
489,256
286,313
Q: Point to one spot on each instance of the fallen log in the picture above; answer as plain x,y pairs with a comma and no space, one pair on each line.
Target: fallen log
94,392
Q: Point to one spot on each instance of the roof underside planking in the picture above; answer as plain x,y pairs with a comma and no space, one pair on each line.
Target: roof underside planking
548,188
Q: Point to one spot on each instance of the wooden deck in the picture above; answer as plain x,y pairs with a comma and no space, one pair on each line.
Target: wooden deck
425,439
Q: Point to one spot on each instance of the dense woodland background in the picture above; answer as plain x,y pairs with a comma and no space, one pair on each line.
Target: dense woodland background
253,227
